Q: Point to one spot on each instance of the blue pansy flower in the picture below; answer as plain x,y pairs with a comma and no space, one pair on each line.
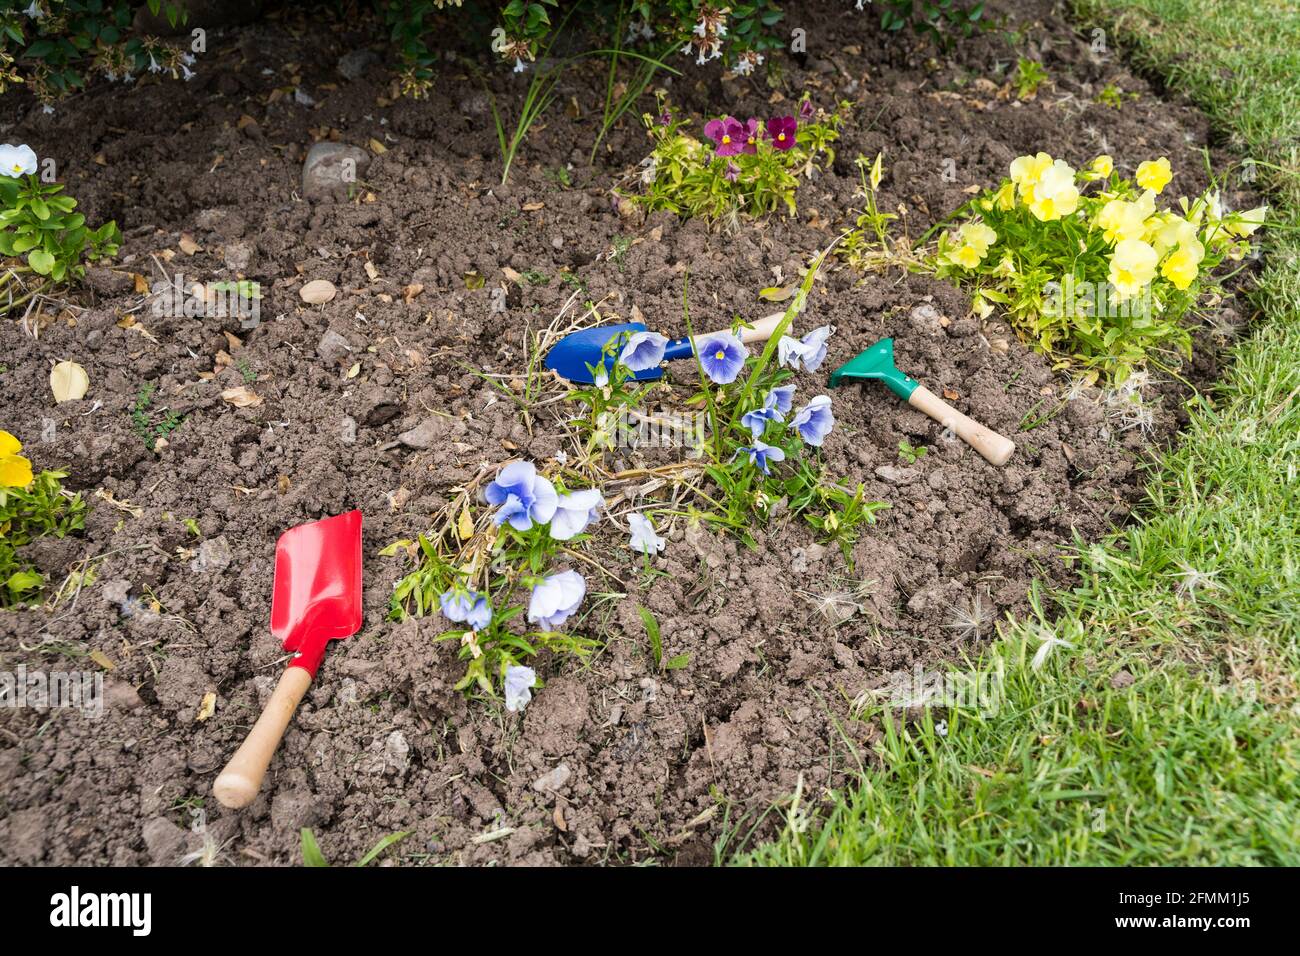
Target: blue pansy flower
643,350
524,496
574,511
760,453
814,421
722,355
463,606
556,597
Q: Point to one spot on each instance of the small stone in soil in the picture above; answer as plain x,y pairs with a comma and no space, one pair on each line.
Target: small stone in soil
926,318
214,555
331,170
428,433
895,475
353,64
553,780
333,348
239,257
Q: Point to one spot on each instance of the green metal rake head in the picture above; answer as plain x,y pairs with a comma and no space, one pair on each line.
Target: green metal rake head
877,362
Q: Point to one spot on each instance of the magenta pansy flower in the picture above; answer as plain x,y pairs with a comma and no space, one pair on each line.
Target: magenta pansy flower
728,133
753,133
781,131
806,110
732,173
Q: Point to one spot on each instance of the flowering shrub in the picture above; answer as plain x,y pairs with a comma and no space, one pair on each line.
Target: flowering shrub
751,166
31,507
41,229
53,46
486,575
1089,269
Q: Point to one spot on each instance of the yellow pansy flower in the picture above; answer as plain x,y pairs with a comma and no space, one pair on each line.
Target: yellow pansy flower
975,239
1243,224
1154,174
1099,168
1054,193
1183,264
1027,169
1132,266
1168,230
1119,220
15,470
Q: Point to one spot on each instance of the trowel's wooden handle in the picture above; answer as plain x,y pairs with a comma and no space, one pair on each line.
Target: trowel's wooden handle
239,782
995,448
761,330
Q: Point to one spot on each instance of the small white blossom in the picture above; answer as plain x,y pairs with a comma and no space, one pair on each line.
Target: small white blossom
643,538
519,686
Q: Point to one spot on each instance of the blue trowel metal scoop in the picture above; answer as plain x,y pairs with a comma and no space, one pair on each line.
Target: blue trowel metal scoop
877,363
575,355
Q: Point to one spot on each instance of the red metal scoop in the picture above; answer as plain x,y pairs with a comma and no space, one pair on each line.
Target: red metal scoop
316,599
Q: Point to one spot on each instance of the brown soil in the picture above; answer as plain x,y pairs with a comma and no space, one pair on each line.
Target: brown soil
383,742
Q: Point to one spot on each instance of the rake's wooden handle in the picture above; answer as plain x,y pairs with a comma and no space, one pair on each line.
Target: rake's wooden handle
995,448
238,784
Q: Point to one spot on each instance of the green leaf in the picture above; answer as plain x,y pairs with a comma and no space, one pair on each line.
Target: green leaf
380,847
23,581
311,854
41,262
652,632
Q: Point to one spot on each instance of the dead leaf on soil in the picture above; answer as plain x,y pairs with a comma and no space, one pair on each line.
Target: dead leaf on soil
410,292
372,271
188,245
558,817
242,397
69,382
534,206
102,659
141,284
283,484
103,494
777,293
950,394
233,341
208,707
465,525
377,147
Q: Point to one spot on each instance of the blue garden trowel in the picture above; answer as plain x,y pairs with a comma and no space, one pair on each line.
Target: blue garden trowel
575,355
877,362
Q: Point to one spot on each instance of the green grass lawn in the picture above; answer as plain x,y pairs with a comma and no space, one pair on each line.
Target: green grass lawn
1166,730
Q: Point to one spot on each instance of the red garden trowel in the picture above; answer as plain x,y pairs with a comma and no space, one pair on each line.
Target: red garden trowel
316,599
